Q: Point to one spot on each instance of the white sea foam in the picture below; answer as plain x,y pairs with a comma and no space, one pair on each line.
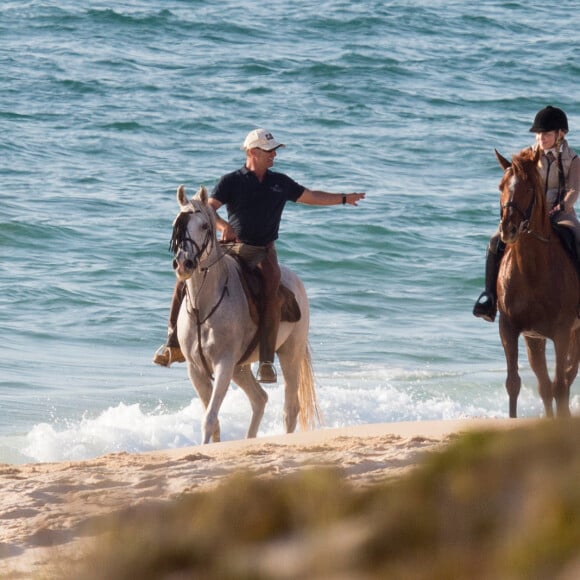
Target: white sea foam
344,400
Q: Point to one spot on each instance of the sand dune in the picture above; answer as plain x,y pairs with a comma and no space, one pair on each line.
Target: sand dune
46,510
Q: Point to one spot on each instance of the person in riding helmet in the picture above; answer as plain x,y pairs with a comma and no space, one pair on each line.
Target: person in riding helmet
560,173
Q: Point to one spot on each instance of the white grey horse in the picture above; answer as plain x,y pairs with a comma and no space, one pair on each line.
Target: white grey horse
217,332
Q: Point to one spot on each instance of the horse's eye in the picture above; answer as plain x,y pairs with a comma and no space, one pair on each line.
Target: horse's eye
204,227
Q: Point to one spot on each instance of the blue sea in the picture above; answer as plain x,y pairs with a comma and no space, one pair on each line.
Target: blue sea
105,108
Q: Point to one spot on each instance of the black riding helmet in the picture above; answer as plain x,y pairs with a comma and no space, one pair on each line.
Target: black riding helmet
549,119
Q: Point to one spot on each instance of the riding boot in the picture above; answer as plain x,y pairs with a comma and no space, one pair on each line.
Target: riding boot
270,319
170,352
486,305
577,256
268,336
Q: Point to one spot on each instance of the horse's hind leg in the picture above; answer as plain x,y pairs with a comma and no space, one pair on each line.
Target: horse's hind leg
561,386
244,378
573,358
290,362
291,401
536,348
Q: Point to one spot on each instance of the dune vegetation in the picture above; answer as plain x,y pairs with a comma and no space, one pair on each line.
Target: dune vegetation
491,504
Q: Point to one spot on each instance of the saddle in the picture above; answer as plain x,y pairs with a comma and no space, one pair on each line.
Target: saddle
568,240
251,279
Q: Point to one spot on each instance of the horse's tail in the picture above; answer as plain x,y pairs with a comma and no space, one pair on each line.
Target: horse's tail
309,411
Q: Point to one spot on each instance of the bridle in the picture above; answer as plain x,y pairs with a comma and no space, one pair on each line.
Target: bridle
525,214
179,239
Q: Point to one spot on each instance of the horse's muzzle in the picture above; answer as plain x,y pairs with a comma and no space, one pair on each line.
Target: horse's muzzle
184,268
509,232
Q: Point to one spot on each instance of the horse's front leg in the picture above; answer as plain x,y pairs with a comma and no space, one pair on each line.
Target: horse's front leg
561,386
203,386
223,375
536,348
509,339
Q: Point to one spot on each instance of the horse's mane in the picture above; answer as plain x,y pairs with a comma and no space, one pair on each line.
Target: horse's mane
525,167
179,231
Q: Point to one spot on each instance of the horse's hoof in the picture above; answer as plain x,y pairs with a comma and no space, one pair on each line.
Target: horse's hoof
267,373
489,317
166,355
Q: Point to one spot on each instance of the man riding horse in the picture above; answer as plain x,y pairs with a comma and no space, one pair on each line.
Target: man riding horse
254,197
559,168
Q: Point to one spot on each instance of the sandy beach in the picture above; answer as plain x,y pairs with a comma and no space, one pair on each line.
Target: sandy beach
47,509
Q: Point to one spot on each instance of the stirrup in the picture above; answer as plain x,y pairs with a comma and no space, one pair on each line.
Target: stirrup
166,355
485,307
267,373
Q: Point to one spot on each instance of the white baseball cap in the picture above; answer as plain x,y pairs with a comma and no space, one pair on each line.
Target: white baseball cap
261,139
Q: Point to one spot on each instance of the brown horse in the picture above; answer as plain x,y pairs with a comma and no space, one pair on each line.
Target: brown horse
538,288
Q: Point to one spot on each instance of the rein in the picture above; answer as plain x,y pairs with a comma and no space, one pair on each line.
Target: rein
194,313
179,238
526,215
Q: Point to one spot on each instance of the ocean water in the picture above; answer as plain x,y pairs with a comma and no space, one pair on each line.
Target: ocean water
105,108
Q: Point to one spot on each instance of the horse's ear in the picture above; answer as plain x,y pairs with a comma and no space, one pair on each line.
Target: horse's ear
201,194
181,197
502,160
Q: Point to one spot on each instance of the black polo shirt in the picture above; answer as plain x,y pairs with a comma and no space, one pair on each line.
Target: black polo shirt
255,208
